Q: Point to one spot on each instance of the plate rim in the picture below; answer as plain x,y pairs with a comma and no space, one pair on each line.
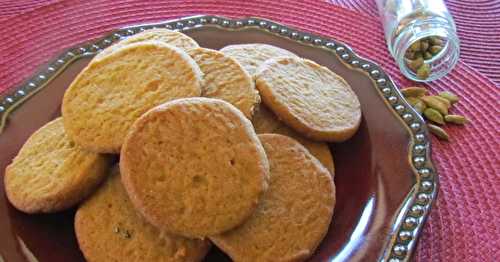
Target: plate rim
413,211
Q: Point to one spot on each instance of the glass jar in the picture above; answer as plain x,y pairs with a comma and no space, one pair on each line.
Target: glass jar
421,36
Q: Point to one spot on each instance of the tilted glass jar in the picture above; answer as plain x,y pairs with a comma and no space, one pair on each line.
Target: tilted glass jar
421,36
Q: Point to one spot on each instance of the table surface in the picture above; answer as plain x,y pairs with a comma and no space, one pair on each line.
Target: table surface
463,223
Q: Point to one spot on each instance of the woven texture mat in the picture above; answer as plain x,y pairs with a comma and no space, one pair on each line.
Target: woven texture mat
464,222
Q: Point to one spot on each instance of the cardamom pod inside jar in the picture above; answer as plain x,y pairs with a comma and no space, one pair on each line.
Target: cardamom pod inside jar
421,36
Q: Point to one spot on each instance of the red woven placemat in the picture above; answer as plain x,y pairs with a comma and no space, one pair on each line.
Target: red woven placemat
462,225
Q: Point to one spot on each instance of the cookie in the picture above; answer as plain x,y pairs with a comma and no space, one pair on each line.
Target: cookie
225,79
108,228
251,56
265,121
310,98
166,36
194,167
50,173
110,94
295,212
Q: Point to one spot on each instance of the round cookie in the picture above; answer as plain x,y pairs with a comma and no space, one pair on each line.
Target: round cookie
295,212
251,56
194,167
225,79
265,121
166,36
51,173
108,228
310,98
110,94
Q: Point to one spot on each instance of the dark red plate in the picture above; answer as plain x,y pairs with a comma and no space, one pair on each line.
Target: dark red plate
385,179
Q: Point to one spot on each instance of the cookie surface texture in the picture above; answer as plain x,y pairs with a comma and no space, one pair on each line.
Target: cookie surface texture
295,212
310,98
51,173
108,228
194,167
166,36
251,56
225,79
265,121
110,94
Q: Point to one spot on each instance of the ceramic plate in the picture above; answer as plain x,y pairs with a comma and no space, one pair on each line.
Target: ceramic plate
385,180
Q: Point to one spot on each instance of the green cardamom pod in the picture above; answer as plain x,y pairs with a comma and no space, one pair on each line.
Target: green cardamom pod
456,119
435,49
438,132
443,100
420,106
423,71
449,96
427,55
436,104
410,54
434,115
412,100
413,91
415,46
417,104
436,40
424,45
416,63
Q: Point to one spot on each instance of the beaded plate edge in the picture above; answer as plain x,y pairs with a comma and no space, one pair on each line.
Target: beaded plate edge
413,212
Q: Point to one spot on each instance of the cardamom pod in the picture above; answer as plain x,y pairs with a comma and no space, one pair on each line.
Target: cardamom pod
456,119
415,64
434,115
420,106
423,71
436,40
417,104
433,102
449,96
438,132
410,54
427,55
435,49
415,46
444,100
412,100
424,45
413,91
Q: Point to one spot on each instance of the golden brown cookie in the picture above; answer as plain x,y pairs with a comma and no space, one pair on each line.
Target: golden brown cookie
251,56
225,79
166,36
111,93
108,228
51,173
194,167
295,212
310,98
265,121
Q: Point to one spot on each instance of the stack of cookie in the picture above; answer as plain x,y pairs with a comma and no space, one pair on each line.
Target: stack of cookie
202,159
